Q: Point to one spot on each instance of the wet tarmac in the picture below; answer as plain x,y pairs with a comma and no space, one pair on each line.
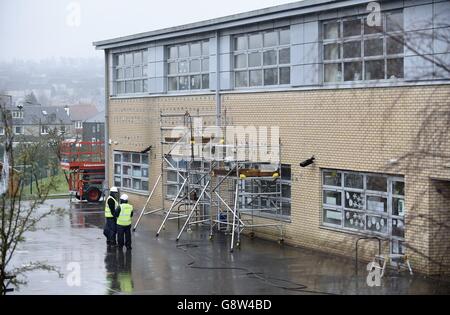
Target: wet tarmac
75,244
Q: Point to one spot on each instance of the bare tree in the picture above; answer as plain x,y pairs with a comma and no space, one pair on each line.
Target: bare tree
17,214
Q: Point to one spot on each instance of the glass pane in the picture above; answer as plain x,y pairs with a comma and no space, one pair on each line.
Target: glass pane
205,48
286,191
129,87
126,183
145,56
183,51
352,27
205,65
196,82
196,49
126,170
354,181
145,159
138,58
126,157
117,157
129,59
394,22
241,79
285,75
333,72
117,182
121,60
117,169
137,184
138,86
373,47
331,52
331,30
355,220
173,68
137,171
271,77
352,49
398,206
271,39
354,200
145,71
352,71
285,56
240,43
254,59
145,172
120,74
121,87
144,186
372,29
183,67
398,188
172,177
195,66
376,203
137,72
205,81
332,198
377,224
137,158
398,228
377,183
240,61
395,45
184,83
285,37
173,84
255,41
374,70
173,52
256,78
332,178
332,216
145,86
270,58
395,68
129,73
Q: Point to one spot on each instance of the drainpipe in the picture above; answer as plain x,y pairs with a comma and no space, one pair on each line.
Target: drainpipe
218,97
107,119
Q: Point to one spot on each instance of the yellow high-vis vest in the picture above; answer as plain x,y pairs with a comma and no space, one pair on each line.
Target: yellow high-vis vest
124,218
108,213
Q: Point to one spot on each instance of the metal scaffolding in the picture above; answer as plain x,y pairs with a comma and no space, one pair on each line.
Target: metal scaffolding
210,181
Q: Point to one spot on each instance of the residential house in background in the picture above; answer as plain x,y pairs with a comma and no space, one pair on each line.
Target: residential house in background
94,128
79,114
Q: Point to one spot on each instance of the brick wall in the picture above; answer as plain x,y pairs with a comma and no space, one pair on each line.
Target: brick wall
349,129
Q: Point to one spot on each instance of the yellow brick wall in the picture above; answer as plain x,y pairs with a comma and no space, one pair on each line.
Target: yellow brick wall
348,129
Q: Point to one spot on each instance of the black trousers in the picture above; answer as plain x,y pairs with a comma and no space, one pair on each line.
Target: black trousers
111,231
124,236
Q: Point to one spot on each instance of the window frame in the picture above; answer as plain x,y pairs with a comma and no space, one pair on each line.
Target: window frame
126,80
388,215
203,73
385,35
130,164
247,52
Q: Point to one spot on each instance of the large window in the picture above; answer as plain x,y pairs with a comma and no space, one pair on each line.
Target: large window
353,51
372,204
175,175
131,171
262,59
130,72
188,66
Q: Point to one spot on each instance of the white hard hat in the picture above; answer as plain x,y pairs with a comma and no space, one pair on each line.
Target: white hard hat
124,197
114,189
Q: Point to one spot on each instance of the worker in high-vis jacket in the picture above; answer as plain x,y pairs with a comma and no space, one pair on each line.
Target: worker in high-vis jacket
124,221
111,206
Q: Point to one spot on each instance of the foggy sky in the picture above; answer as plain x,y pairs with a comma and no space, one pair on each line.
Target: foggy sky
41,29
